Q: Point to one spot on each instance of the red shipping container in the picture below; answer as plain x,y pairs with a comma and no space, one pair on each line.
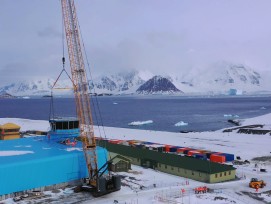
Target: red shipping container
192,152
167,148
115,141
217,158
181,150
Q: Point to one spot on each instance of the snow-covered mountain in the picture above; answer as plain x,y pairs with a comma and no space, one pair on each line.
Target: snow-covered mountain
158,85
222,77
219,78
37,87
121,83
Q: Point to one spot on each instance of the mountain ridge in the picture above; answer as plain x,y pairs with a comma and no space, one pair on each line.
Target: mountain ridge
218,80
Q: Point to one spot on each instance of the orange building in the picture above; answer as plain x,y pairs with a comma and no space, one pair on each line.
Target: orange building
9,131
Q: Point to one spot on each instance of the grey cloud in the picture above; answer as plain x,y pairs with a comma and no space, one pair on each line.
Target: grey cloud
49,32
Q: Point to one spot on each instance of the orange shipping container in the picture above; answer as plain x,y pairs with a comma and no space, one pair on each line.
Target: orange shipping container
192,152
217,158
167,148
181,150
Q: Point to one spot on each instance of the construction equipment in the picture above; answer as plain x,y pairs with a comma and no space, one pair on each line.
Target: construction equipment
201,189
255,183
99,184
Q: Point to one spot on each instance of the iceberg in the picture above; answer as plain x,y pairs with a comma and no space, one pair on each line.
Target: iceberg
181,123
138,123
115,103
230,115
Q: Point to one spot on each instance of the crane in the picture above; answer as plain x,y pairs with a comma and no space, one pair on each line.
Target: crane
82,100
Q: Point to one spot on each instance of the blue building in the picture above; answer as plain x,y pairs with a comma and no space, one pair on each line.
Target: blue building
35,162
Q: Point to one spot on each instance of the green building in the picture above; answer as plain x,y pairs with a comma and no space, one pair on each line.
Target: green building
184,166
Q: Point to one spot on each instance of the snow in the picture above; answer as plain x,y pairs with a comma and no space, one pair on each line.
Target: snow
138,123
27,124
139,183
73,149
181,123
14,153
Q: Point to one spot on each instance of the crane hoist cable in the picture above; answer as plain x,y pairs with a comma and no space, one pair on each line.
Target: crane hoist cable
63,70
91,79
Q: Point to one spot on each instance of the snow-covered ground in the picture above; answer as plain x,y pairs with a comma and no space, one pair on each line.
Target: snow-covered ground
139,183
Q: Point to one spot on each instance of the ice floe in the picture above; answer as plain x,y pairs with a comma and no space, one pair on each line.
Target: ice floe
181,123
138,123
231,116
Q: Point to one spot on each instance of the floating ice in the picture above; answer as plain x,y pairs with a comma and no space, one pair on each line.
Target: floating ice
181,123
137,123
230,116
14,153
115,103
263,108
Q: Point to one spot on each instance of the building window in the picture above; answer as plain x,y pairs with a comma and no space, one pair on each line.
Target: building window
220,174
172,168
165,166
159,165
138,159
225,173
229,172
192,172
216,175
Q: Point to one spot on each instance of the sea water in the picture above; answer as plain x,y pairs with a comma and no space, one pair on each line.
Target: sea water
198,113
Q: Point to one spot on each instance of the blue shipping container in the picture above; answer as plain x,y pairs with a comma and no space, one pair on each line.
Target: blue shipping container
200,156
228,157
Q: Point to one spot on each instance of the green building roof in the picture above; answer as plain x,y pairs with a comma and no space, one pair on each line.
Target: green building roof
170,159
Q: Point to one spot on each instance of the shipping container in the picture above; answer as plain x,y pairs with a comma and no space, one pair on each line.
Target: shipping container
229,157
167,148
208,154
173,149
115,141
192,152
200,156
217,158
182,149
187,150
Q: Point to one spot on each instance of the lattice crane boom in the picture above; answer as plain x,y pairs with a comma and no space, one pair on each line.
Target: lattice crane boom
81,89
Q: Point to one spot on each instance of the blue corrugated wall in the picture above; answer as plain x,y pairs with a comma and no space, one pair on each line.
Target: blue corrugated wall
50,163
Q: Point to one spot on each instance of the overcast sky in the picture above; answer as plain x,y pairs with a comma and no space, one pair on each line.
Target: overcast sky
162,36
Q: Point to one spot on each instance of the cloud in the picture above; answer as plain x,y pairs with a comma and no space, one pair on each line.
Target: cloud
49,32
161,36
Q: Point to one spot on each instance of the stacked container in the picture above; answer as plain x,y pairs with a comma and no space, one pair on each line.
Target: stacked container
200,156
192,152
217,158
228,157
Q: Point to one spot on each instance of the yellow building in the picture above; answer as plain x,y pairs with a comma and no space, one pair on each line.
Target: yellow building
9,131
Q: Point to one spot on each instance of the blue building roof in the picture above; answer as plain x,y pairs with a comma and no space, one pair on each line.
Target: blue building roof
41,162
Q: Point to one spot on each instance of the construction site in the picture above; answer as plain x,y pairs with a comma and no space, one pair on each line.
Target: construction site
70,155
